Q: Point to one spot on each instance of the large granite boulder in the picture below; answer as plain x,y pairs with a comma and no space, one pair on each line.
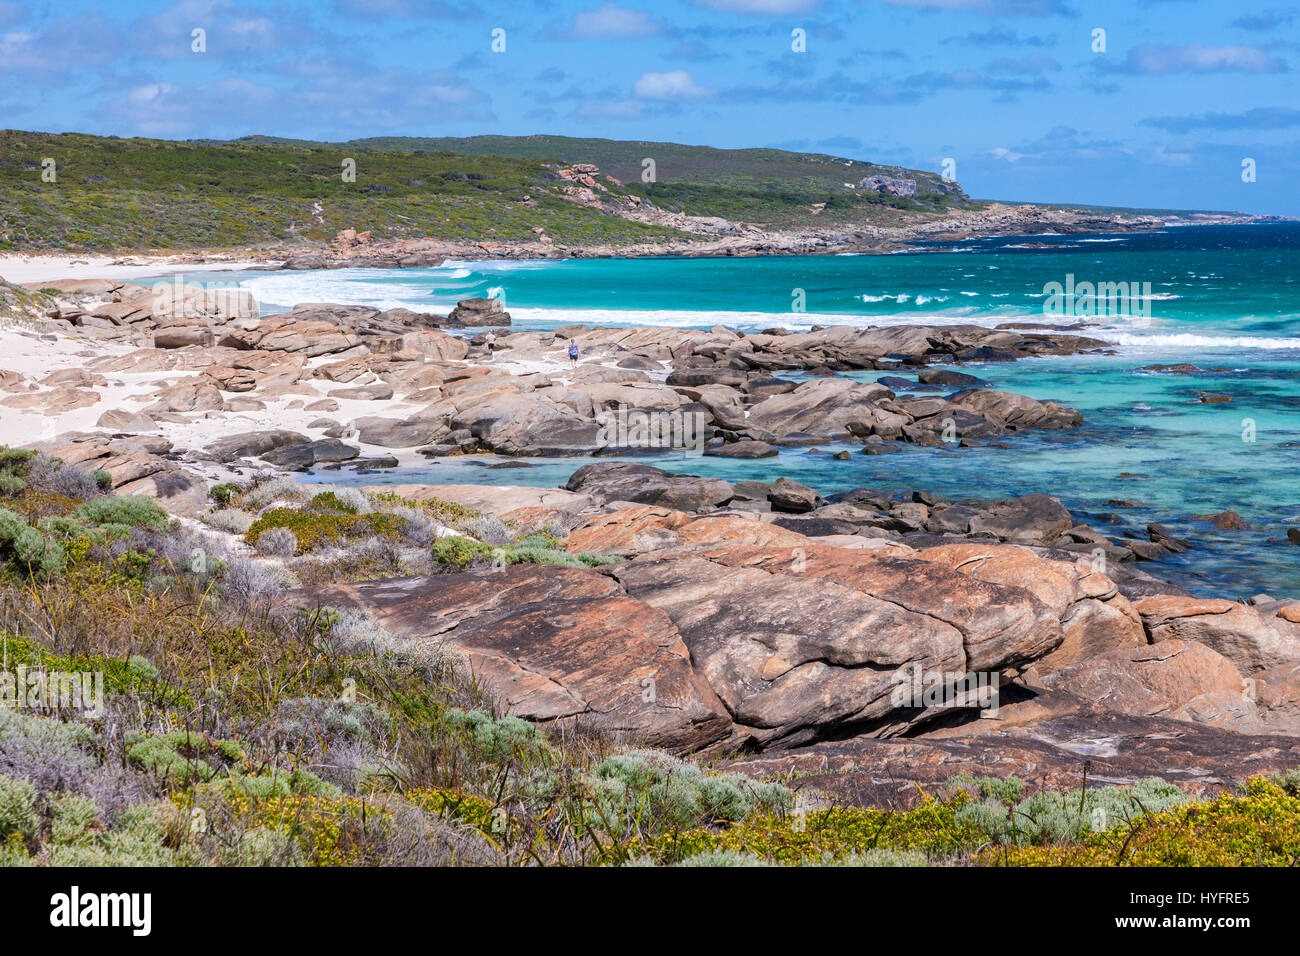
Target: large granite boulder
828,409
513,422
643,484
1179,680
555,645
1011,411
1095,617
479,312
715,646
1253,642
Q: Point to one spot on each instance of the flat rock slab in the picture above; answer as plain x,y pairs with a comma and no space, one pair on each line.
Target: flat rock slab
554,644
1116,749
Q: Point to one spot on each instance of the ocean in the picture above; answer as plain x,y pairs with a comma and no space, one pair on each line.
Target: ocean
1225,299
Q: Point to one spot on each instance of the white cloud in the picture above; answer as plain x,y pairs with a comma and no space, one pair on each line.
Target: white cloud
1001,152
1200,58
612,20
674,85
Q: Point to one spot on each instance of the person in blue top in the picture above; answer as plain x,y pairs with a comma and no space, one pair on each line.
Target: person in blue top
573,353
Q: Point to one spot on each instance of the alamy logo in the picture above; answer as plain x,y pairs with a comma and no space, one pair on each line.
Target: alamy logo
916,687
1086,299
635,428
75,909
194,300
38,689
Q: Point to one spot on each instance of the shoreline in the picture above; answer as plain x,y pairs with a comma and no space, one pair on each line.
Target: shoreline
999,221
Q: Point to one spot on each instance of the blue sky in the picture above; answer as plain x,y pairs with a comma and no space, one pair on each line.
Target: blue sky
1012,90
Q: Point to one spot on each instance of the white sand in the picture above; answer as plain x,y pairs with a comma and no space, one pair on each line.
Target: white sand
25,269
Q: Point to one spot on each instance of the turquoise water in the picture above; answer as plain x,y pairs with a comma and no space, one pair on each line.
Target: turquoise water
1238,280
1226,299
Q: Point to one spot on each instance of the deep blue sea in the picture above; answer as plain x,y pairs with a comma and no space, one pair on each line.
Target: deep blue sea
1223,298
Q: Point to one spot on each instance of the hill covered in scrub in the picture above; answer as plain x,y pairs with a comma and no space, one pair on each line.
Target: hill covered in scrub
117,194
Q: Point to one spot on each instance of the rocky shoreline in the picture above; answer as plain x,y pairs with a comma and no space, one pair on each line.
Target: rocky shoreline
708,236
755,621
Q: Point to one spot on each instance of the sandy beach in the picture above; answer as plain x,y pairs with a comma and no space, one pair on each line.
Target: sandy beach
26,269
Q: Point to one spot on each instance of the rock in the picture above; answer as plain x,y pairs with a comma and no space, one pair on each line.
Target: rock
1225,521
253,444
1028,519
939,376
180,337
1095,617
1251,641
1178,680
800,645
188,397
706,376
813,525
54,402
1117,748
120,420
742,449
77,286
428,343
476,312
1015,411
1162,536
825,409
516,423
1276,695
301,457
395,433
792,497
291,332
307,261
626,481
563,646
628,531
363,393
176,491
1147,550
897,384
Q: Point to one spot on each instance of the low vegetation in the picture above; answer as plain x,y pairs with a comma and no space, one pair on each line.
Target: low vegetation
116,194
228,728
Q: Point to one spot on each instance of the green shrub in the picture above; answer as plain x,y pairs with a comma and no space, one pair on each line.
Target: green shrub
24,547
74,817
148,835
658,791
313,530
178,758
1051,816
17,810
496,738
130,511
457,553
224,493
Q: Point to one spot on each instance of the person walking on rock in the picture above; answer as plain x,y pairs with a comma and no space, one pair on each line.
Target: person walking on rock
573,353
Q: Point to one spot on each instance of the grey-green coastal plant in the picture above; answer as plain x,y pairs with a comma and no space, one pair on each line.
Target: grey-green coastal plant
1051,816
